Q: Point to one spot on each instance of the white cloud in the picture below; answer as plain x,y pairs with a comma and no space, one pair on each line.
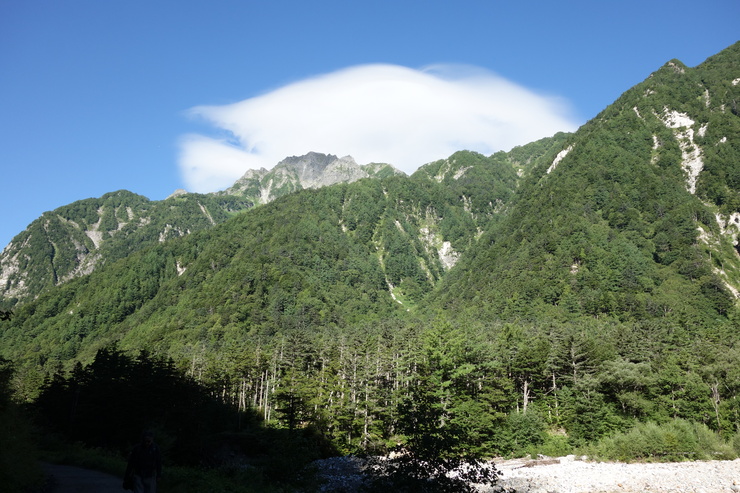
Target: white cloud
375,113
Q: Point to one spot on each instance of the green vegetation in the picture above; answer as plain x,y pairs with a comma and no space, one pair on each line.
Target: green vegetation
77,238
613,230
102,408
19,469
676,440
535,301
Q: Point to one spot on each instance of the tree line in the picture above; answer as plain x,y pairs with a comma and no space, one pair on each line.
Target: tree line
505,388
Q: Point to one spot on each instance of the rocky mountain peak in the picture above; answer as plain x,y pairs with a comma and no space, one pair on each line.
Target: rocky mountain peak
312,170
313,160
315,170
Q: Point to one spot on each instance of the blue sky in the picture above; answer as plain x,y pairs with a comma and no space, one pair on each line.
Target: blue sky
151,96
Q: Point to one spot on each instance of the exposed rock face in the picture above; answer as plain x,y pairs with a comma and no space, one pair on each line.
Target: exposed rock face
691,153
312,170
74,240
177,193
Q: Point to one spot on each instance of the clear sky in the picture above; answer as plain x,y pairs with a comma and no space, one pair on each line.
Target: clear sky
155,95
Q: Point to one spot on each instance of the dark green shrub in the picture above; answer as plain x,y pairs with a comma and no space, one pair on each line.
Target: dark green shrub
676,440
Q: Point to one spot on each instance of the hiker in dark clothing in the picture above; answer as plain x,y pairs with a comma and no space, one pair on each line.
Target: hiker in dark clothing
144,465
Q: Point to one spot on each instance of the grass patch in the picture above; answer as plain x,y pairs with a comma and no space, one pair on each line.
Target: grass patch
676,440
555,445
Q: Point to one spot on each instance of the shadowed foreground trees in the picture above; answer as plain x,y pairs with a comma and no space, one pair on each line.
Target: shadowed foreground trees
18,466
107,404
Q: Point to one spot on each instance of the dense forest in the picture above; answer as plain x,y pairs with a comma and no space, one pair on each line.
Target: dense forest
542,300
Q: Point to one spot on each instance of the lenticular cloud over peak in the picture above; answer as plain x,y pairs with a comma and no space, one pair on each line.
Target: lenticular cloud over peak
375,113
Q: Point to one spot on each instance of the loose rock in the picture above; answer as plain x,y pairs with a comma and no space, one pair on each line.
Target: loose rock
578,476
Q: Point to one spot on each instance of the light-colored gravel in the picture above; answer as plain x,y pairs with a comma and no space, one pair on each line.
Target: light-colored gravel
568,475
572,475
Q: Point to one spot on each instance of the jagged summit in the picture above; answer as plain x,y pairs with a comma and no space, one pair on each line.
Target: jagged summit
316,170
658,170
86,234
315,160
312,170
177,193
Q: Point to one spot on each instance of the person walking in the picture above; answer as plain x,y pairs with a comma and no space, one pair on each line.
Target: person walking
144,466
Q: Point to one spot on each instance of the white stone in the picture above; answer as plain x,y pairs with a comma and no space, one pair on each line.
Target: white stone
691,157
447,255
674,119
561,155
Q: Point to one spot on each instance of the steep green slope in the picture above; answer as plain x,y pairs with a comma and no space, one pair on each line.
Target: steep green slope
75,239
486,184
634,217
521,303
329,257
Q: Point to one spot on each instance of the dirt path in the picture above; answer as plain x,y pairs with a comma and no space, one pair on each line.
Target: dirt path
70,479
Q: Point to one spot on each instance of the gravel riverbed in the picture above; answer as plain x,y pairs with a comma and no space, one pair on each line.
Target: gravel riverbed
572,475
569,475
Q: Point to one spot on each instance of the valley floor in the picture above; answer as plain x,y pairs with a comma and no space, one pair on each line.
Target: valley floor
568,475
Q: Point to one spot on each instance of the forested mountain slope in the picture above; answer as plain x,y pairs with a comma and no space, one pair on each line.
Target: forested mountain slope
635,216
326,257
554,294
73,240
486,185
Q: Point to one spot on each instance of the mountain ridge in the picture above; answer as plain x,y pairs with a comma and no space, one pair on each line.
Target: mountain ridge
311,170
547,298
607,222
73,239
655,158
